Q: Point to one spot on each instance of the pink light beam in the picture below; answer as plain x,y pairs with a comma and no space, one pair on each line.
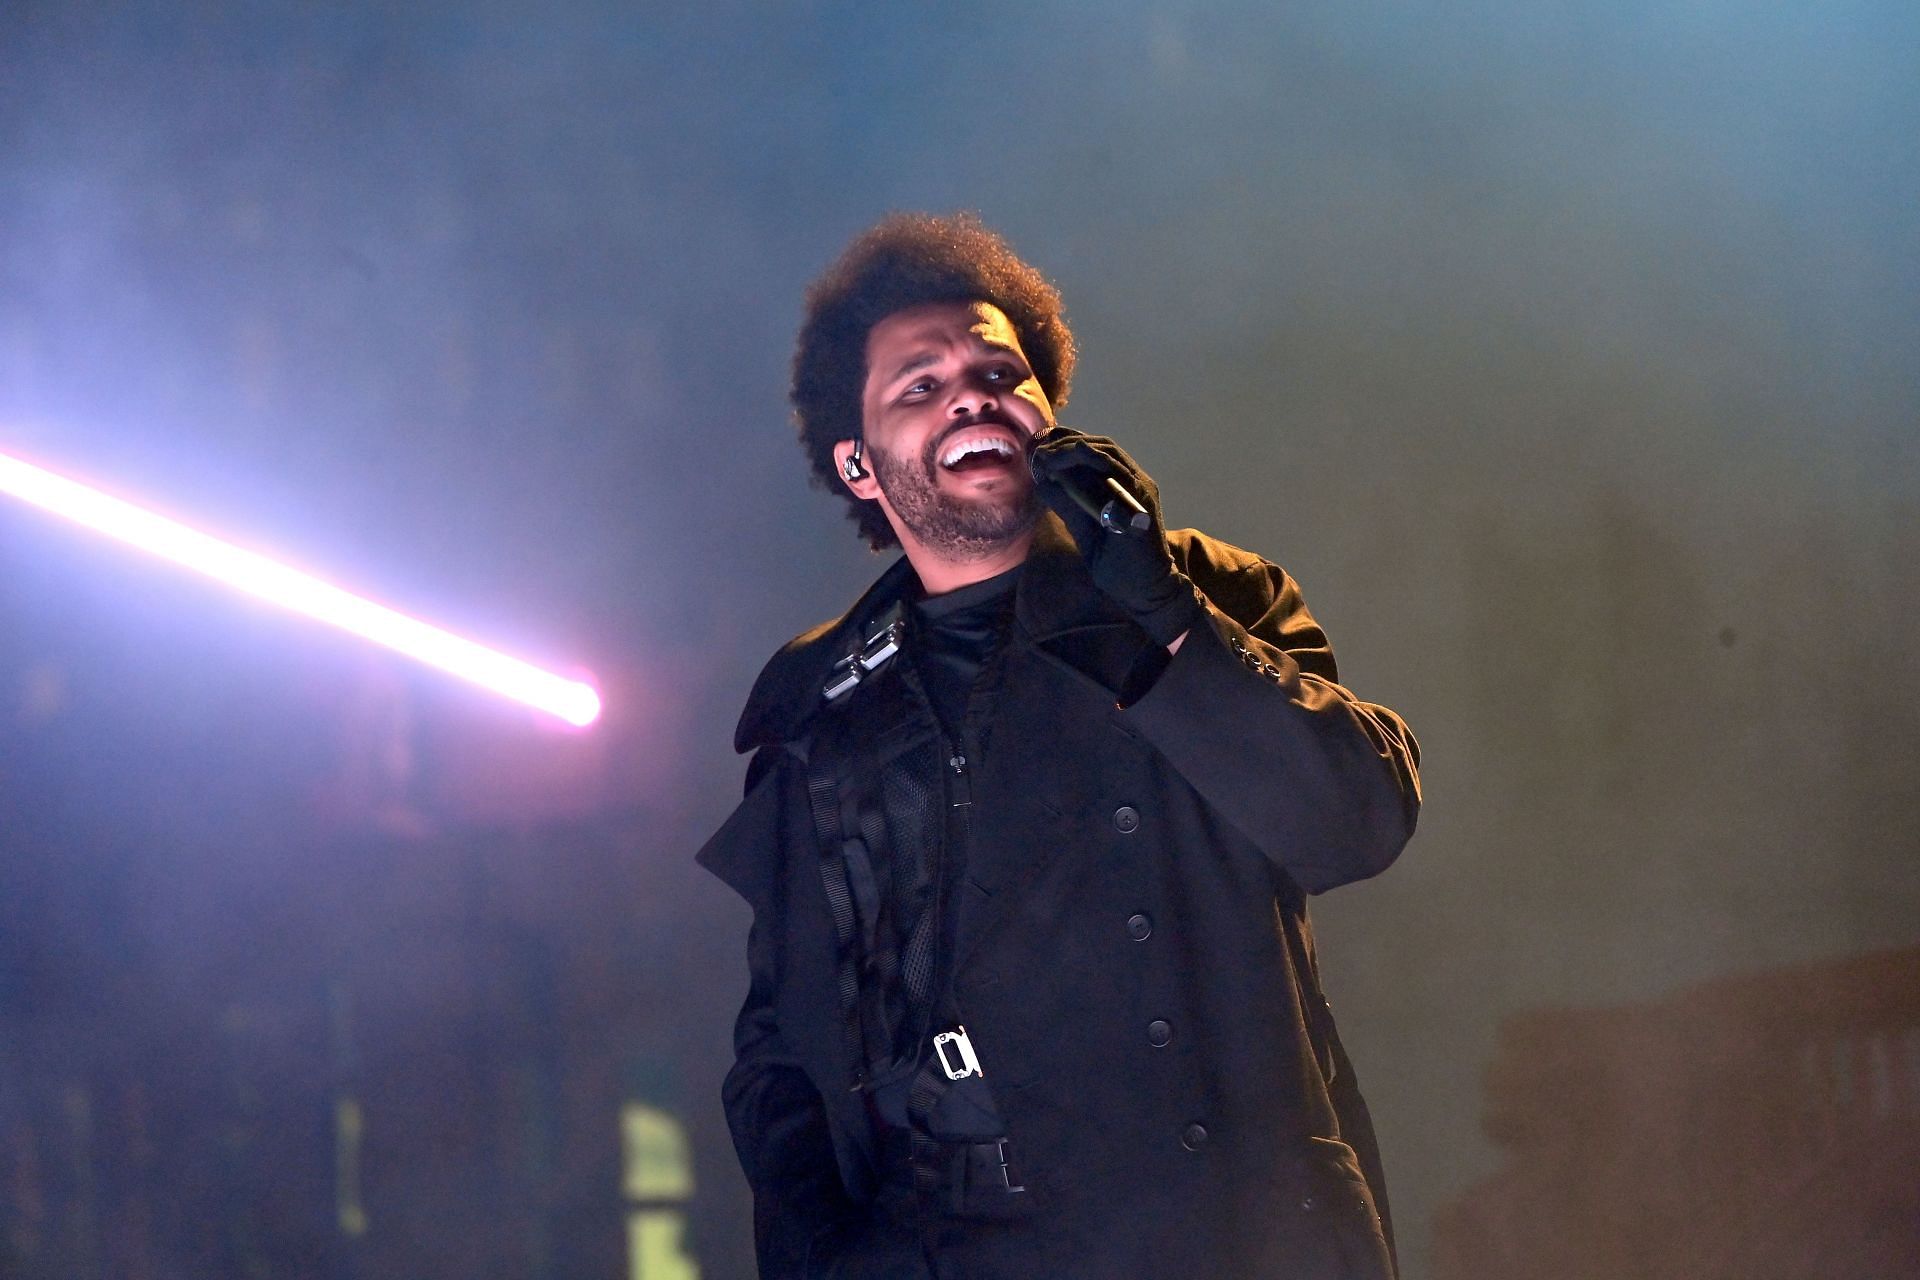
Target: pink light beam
574,701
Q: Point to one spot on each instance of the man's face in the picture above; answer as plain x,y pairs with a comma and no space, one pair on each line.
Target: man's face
949,405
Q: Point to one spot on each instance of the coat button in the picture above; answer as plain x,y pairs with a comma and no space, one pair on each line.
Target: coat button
1139,927
1159,1033
1126,819
1193,1137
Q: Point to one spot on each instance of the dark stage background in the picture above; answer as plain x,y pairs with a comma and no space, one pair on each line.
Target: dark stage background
1565,353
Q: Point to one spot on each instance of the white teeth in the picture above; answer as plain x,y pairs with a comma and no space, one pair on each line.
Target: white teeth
987,444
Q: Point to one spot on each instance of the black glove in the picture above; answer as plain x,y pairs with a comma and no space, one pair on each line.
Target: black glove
1135,570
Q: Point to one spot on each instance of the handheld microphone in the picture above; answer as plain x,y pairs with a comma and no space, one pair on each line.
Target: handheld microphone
1111,506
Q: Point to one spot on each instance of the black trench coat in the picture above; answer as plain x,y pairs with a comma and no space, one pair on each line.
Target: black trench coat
1129,868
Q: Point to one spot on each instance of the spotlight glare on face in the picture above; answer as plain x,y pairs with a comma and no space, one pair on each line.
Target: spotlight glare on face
573,701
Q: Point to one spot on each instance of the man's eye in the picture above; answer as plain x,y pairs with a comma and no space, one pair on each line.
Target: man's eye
918,388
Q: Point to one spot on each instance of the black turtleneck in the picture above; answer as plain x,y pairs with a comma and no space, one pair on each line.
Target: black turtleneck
954,635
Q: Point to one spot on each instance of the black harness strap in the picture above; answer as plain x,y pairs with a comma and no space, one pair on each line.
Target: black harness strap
870,961
923,1152
823,797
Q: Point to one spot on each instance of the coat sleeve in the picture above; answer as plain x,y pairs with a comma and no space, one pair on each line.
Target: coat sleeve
775,1114
1251,712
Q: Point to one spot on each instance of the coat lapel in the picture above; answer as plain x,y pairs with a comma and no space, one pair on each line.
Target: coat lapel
1070,649
1059,612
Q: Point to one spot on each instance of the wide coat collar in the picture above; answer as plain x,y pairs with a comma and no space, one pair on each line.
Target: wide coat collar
1056,607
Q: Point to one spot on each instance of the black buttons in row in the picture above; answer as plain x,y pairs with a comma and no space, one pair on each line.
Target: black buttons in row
1255,663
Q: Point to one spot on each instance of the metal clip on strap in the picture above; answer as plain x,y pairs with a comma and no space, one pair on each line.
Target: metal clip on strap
969,1062
855,667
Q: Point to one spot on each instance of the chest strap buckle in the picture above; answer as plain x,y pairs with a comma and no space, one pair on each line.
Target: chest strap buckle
849,671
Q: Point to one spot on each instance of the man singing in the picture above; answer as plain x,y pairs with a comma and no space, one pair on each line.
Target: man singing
1028,834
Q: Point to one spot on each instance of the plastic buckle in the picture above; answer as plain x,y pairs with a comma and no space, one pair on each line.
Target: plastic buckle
969,1061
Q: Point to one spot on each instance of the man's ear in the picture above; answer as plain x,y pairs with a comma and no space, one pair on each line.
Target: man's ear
856,474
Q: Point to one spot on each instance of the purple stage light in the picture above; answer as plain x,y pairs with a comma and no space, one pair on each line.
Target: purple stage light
573,701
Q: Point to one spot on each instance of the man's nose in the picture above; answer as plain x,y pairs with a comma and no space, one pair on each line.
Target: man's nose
972,395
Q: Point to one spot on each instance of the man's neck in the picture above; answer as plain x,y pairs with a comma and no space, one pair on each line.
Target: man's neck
941,574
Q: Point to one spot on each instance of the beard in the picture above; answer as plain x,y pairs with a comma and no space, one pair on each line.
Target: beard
954,528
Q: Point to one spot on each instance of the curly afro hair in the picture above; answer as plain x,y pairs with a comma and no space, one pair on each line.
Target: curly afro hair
906,260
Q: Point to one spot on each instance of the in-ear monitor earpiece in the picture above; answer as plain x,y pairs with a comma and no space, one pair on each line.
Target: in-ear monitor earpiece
851,468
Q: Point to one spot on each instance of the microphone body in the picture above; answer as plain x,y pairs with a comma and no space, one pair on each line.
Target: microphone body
1109,503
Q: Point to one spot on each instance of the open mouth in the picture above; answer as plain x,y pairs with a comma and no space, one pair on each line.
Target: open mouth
978,449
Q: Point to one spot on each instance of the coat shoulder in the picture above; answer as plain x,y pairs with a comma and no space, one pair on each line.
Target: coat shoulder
787,691
788,687
1237,580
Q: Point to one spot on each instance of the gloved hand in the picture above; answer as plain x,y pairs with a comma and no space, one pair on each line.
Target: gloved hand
1135,570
